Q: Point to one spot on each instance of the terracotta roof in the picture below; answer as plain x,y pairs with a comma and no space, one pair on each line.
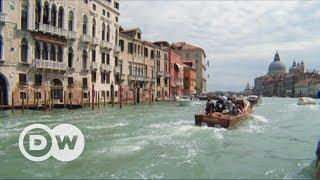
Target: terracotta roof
186,46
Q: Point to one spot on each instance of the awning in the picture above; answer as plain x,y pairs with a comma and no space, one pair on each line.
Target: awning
177,66
50,40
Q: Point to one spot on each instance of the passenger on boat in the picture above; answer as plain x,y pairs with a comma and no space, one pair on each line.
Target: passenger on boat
210,106
232,108
318,151
220,105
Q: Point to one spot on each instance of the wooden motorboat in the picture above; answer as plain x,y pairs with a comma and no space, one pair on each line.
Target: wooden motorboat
306,101
254,100
224,120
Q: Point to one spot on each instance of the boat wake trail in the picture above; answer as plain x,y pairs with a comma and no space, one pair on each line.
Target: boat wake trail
260,119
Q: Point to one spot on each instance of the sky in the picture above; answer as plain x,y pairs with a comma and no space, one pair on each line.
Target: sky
240,37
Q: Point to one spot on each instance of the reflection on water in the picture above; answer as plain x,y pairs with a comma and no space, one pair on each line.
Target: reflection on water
161,141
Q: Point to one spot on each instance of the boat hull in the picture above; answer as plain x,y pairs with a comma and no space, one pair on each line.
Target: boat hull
221,120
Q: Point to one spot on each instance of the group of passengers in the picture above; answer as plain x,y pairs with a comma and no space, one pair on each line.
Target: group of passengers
225,105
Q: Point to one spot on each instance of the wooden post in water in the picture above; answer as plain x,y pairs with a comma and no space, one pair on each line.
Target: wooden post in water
27,99
82,100
64,99
120,95
45,99
126,97
92,97
96,95
37,99
70,100
104,100
2,101
98,100
34,98
23,103
89,102
12,101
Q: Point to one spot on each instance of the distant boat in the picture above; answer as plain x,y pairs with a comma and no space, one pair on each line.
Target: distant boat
254,100
306,101
183,101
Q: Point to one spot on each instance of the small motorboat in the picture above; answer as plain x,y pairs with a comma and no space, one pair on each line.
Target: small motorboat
183,101
224,120
254,100
306,101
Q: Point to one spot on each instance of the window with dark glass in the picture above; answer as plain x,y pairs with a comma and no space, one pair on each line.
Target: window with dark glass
37,79
24,50
70,81
152,54
84,82
22,79
93,54
103,77
121,44
146,52
93,76
103,58
23,95
108,59
70,57
130,48
24,17
108,78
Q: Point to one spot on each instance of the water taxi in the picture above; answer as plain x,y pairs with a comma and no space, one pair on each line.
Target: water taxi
183,101
224,120
306,101
254,100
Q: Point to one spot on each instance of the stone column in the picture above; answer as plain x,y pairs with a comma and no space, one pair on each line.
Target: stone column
49,17
41,48
57,17
41,14
48,51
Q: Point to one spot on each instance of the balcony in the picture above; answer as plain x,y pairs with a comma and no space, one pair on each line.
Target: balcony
106,44
95,41
94,66
52,65
117,48
137,78
72,35
105,67
2,17
52,30
85,38
117,70
160,73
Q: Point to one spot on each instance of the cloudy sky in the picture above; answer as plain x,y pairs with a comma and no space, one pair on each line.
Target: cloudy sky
239,37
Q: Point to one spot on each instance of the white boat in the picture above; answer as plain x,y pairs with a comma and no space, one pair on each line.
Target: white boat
183,101
306,101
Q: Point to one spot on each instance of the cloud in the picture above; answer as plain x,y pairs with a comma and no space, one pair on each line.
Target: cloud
239,37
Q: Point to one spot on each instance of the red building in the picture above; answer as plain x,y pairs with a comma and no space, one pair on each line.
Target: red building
189,79
175,68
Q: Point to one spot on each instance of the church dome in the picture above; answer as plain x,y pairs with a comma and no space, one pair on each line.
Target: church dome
277,67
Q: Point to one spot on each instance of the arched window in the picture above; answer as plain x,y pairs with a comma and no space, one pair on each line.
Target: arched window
93,27
84,24
52,53
44,51
108,33
46,12
37,13
60,54
60,17
84,59
53,15
24,50
37,51
1,47
24,15
70,21
70,57
103,32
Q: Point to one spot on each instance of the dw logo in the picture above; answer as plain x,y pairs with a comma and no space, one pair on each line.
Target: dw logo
64,142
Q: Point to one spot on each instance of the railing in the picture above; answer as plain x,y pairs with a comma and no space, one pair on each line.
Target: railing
137,78
106,44
95,40
105,67
47,64
52,29
85,38
117,48
160,73
72,35
94,66
2,17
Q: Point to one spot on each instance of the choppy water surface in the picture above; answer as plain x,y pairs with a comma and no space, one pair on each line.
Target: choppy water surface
161,141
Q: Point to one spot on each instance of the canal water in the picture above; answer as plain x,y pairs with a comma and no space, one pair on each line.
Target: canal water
161,141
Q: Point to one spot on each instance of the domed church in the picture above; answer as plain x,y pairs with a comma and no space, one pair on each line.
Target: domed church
277,67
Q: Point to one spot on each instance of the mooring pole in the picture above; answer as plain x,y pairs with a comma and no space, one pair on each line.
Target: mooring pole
2,101
120,95
92,97
23,103
12,101
98,100
104,100
34,98
64,99
27,99
37,94
81,99
45,100
70,100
